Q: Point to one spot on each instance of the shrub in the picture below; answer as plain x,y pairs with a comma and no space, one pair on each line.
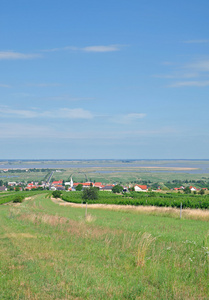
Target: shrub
18,199
56,194
90,193
79,187
117,189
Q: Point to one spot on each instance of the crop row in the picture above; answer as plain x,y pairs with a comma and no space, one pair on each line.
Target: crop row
175,200
13,196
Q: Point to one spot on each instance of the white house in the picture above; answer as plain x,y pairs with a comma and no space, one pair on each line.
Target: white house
140,188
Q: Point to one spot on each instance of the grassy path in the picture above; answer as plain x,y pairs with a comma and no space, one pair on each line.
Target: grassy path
49,251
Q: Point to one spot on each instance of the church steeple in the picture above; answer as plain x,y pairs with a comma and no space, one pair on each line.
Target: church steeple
71,182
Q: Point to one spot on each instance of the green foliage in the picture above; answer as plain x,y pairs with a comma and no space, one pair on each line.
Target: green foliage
18,199
187,190
117,189
202,192
10,196
145,199
79,187
57,194
90,193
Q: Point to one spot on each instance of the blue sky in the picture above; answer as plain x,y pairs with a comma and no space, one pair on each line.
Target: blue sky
104,79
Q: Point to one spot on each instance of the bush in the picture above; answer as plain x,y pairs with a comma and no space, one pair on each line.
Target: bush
57,194
90,193
79,187
117,189
202,192
18,199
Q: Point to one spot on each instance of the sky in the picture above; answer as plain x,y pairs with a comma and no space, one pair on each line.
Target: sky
113,79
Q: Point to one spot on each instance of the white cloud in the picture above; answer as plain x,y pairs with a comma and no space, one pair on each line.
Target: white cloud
196,69
201,66
190,83
5,111
128,118
67,48
16,130
178,75
11,55
97,48
76,113
196,41
31,131
110,48
5,85
43,84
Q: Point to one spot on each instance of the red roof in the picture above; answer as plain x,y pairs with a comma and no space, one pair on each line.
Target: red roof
143,187
57,182
98,184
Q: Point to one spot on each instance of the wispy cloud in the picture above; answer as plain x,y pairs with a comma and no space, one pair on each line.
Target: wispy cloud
190,83
128,118
31,131
5,85
43,84
110,48
96,48
200,65
177,75
76,113
68,98
11,55
196,41
198,69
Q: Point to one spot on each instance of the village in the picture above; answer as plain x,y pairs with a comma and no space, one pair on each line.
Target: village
71,186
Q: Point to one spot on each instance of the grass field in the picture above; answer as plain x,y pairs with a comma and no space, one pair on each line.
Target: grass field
49,251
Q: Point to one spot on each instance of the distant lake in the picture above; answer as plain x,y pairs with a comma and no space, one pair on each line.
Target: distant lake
201,165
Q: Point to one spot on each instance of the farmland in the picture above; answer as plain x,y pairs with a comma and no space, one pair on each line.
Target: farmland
50,251
108,171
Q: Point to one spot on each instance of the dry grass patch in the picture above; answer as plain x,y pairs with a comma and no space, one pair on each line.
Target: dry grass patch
89,218
78,228
18,236
145,241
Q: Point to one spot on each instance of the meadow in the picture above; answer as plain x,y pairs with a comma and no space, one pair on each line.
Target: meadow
49,251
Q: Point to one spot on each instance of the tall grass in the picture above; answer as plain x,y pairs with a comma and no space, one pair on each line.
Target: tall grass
52,252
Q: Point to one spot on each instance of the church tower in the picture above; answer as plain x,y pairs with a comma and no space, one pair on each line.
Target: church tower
71,182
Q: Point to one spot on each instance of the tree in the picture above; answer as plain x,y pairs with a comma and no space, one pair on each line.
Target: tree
57,194
117,189
18,199
202,192
79,187
187,190
90,193
17,189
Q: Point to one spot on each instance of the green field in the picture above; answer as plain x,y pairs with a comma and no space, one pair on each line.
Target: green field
52,252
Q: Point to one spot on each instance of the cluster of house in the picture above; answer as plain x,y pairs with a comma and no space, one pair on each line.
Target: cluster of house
71,186
192,189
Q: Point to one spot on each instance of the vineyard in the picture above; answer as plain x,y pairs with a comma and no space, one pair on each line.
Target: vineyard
145,199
